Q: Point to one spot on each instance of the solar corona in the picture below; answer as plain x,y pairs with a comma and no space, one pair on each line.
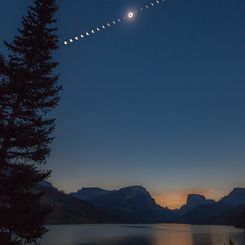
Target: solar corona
129,16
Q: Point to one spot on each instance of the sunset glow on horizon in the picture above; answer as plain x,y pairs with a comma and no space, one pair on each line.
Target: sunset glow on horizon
174,200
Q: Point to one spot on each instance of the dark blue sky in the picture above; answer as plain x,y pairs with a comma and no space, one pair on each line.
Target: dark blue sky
158,101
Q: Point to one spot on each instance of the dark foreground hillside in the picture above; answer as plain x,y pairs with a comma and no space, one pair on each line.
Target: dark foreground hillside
66,209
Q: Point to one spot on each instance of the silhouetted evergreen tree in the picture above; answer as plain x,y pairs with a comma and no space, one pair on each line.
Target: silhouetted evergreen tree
28,91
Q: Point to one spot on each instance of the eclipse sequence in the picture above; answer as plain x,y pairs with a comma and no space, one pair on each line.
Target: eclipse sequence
130,15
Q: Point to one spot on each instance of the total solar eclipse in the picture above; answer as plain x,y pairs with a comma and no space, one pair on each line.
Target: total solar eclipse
109,24
130,15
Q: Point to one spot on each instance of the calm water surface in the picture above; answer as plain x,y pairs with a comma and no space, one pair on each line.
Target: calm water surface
159,234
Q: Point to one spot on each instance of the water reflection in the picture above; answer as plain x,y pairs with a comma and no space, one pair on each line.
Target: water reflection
161,234
238,238
138,240
201,238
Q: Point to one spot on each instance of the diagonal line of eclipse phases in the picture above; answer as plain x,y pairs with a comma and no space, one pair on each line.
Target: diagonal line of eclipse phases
129,16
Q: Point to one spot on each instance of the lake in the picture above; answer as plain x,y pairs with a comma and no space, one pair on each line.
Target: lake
157,234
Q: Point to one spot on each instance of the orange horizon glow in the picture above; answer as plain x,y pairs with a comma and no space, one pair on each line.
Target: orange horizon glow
172,199
175,199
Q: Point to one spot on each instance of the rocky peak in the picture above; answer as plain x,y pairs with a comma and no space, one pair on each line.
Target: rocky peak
47,185
193,201
90,193
235,197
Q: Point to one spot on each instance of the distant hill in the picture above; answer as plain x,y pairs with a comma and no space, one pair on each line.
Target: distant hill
236,216
69,210
193,201
134,204
208,214
129,204
230,210
219,213
235,197
89,194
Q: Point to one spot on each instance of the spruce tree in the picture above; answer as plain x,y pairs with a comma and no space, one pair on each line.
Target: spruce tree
28,91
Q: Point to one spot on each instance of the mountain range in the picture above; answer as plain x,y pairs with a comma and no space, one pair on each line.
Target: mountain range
129,204
134,204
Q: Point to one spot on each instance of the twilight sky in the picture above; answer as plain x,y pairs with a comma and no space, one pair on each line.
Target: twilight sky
158,102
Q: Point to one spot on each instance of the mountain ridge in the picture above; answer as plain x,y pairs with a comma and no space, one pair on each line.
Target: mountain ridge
65,209
194,201
131,204
134,204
